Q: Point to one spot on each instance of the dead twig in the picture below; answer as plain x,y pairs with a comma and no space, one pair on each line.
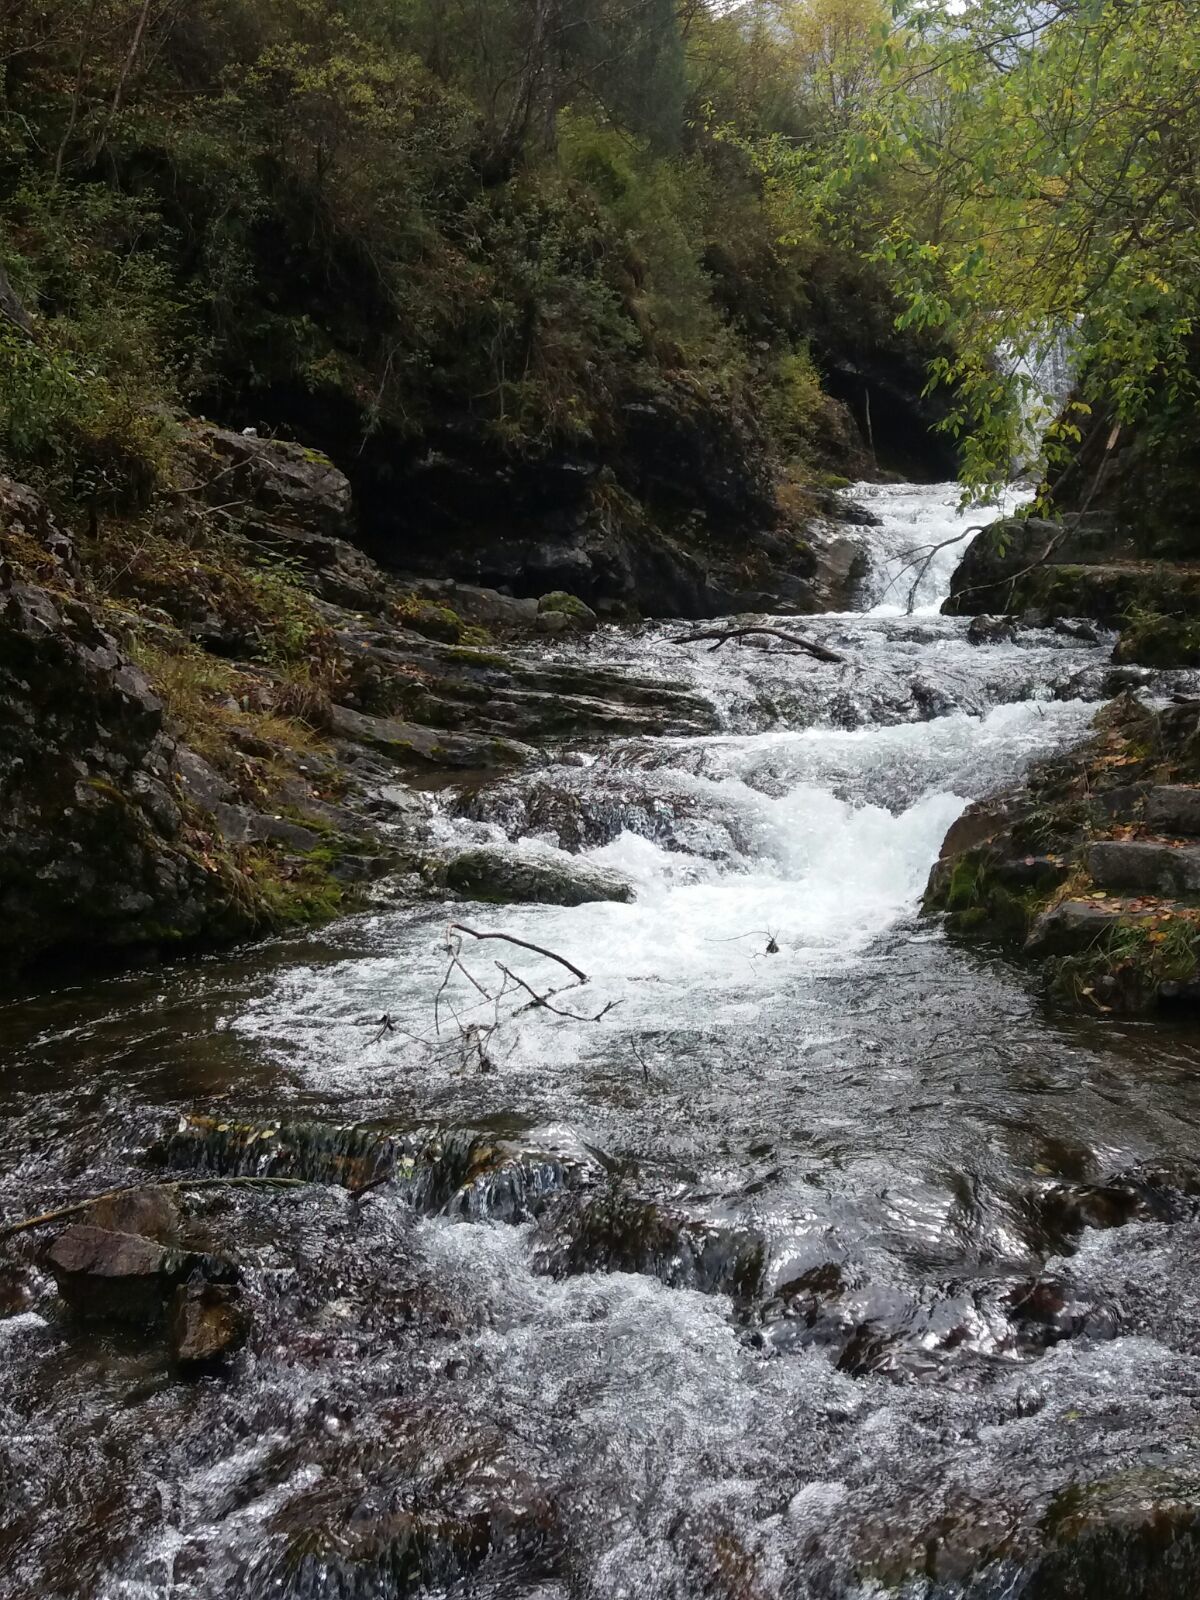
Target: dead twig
542,1001
723,635
524,944
46,1217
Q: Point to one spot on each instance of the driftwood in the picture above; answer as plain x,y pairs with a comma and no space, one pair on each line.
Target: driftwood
723,636
73,1210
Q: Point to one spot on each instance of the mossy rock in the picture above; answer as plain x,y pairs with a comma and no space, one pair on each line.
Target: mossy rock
431,620
559,603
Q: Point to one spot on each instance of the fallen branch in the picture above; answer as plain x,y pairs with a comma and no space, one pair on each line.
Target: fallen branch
542,1001
723,636
524,944
74,1209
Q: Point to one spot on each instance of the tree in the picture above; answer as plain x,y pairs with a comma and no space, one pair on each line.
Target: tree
1057,147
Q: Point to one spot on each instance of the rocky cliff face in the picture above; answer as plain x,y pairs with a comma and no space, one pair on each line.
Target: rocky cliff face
677,514
92,839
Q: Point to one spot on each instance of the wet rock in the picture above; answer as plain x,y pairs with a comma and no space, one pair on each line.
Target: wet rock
150,1213
1046,1312
206,1324
112,1276
512,877
1140,867
617,1232
991,630
586,809
1174,808
15,1293
500,1180
842,563
350,1155
1076,628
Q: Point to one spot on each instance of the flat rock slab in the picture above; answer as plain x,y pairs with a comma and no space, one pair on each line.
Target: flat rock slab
1135,866
1174,808
411,745
1072,927
151,1213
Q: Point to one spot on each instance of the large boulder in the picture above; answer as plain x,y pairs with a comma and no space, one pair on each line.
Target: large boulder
124,1277
281,480
546,877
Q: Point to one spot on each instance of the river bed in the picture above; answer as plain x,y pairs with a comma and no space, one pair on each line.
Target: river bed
817,1314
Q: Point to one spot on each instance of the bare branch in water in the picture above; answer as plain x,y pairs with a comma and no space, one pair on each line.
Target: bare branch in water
542,1001
460,927
723,636
77,1206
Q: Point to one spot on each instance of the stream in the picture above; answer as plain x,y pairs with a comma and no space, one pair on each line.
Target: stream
771,1282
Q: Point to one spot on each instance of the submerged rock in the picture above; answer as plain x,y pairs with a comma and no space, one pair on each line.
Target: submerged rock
512,877
350,1155
206,1324
1133,1537
618,1232
124,1277
444,1507
459,1172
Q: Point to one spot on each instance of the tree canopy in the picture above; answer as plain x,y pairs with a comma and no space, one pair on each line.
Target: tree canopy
1048,155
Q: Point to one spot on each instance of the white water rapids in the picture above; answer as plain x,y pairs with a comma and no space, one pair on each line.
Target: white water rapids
789,826
791,1071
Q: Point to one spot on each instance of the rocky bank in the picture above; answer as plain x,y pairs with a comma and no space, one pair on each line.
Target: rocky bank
1091,869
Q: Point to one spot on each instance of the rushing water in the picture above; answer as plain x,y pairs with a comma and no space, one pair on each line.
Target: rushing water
818,1314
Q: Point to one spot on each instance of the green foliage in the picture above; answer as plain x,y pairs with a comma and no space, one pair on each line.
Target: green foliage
416,213
1057,148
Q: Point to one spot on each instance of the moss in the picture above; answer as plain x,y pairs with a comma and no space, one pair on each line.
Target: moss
980,904
429,619
474,657
566,605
